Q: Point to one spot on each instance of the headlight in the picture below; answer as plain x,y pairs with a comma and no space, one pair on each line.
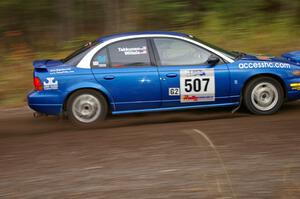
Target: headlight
296,72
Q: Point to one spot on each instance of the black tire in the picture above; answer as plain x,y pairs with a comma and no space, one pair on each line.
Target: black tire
97,98
253,104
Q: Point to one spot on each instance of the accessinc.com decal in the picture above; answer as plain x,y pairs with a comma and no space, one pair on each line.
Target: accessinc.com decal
255,65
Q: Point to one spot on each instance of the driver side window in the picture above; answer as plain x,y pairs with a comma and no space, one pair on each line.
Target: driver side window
175,52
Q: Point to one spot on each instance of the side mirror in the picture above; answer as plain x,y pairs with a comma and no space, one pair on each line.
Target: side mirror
213,60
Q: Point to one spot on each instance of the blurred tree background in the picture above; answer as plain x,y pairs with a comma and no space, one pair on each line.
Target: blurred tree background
53,28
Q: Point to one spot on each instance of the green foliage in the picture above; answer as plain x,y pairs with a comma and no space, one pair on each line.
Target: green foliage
34,29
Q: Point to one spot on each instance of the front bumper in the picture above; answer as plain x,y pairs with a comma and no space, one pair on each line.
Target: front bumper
47,103
293,89
293,95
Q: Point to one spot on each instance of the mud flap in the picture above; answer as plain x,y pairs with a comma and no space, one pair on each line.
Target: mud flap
239,106
39,115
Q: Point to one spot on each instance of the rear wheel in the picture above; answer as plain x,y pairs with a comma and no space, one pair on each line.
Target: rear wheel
264,96
86,107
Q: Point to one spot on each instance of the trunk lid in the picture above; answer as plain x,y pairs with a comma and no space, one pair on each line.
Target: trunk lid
44,65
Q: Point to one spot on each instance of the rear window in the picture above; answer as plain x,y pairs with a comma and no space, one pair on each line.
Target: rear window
74,58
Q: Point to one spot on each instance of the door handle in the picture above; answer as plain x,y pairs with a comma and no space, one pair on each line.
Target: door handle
171,75
109,77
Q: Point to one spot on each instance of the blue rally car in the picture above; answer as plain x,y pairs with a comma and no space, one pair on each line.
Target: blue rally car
157,71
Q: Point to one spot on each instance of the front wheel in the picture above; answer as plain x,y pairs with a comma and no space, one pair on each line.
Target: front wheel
86,107
264,96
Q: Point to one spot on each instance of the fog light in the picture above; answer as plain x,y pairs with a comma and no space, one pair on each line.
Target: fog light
295,86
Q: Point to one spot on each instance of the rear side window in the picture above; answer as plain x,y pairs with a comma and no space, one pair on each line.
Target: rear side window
175,52
100,60
129,53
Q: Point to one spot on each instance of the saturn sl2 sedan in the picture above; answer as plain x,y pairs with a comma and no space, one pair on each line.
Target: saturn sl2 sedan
159,71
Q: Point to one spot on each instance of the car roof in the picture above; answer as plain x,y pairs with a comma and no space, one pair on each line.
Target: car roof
113,36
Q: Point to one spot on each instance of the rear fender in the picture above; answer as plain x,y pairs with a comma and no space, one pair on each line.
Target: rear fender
90,85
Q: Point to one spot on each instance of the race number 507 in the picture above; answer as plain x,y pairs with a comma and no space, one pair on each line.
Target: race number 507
196,85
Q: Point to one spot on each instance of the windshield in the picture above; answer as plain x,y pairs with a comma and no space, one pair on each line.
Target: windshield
75,57
230,54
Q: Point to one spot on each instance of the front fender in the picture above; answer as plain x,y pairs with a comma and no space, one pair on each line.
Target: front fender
241,76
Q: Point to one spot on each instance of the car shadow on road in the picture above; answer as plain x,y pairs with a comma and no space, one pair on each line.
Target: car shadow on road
28,125
32,126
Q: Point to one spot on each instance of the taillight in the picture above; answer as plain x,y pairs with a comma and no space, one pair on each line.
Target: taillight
37,84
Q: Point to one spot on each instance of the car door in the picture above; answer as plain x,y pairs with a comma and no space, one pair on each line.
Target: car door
186,77
125,70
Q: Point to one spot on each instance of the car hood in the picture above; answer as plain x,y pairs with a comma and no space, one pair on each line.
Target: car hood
290,57
293,57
